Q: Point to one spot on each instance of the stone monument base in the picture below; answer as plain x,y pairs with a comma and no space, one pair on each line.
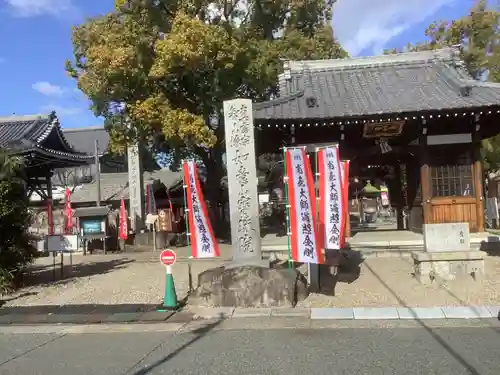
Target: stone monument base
249,286
237,263
448,265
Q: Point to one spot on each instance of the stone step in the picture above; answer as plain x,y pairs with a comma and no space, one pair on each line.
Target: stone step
366,253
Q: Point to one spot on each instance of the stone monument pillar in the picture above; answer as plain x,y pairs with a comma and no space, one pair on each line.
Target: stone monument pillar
242,181
135,188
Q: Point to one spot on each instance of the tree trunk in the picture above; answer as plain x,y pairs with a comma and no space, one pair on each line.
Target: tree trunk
214,192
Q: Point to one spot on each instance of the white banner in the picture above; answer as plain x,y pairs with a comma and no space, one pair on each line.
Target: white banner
302,199
331,211
202,239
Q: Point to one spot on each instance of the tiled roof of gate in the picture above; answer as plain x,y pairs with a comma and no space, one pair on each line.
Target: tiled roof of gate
82,139
28,128
366,86
41,133
114,186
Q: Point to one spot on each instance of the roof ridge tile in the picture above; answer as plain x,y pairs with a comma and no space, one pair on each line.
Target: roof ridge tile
84,129
399,87
443,54
24,118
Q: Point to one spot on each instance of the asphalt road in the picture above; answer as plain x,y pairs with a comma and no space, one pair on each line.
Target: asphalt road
356,348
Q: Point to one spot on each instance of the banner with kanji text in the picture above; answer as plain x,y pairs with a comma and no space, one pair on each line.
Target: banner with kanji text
202,239
302,201
332,205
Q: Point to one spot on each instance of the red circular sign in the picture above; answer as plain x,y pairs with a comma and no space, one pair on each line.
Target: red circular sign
168,257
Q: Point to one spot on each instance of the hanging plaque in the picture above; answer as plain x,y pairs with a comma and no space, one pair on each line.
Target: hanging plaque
383,129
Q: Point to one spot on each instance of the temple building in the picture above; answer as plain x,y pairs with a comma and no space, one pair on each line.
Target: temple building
418,118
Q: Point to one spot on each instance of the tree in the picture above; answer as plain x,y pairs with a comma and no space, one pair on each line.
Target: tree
477,33
478,36
16,249
160,70
71,177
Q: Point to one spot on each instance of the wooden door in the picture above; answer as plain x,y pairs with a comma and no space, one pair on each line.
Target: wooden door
452,194
457,209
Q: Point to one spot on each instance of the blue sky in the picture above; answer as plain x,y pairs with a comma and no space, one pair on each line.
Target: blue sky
35,40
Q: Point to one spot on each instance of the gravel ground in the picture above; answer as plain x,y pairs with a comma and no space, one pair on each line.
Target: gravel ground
389,282
103,279
139,278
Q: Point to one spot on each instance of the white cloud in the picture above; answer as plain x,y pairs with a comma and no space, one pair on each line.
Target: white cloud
62,110
361,24
34,8
46,88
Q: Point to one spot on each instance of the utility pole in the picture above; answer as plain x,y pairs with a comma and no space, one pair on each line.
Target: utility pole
97,173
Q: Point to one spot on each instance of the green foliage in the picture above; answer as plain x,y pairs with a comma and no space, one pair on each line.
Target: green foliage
478,35
159,70
16,249
173,63
490,153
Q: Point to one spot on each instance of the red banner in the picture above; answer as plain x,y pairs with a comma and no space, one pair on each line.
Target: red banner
123,221
202,239
50,217
68,212
302,199
345,197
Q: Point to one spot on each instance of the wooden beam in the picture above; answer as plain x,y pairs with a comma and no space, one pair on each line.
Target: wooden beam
477,170
425,176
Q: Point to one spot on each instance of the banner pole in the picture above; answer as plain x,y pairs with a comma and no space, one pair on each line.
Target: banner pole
186,219
287,219
318,198
287,208
314,269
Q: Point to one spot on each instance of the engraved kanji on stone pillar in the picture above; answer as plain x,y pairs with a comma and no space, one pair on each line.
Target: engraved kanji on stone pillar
135,188
242,179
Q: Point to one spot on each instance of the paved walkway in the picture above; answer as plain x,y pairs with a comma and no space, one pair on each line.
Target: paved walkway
102,314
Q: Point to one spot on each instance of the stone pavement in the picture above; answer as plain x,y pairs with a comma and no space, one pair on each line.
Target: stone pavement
356,313
102,314
89,314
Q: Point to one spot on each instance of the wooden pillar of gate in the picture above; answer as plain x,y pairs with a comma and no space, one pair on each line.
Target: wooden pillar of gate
425,175
347,228
477,170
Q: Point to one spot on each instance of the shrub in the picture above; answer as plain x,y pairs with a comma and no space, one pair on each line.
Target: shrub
16,247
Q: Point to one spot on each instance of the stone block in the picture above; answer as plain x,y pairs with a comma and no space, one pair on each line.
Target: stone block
332,313
285,312
446,237
249,286
213,312
251,312
79,318
155,316
375,313
181,317
494,310
448,256
125,317
448,265
466,312
420,313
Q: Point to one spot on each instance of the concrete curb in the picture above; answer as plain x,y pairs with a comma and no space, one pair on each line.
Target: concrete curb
356,313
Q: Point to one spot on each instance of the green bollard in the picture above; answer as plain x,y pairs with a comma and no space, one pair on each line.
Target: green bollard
170,302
